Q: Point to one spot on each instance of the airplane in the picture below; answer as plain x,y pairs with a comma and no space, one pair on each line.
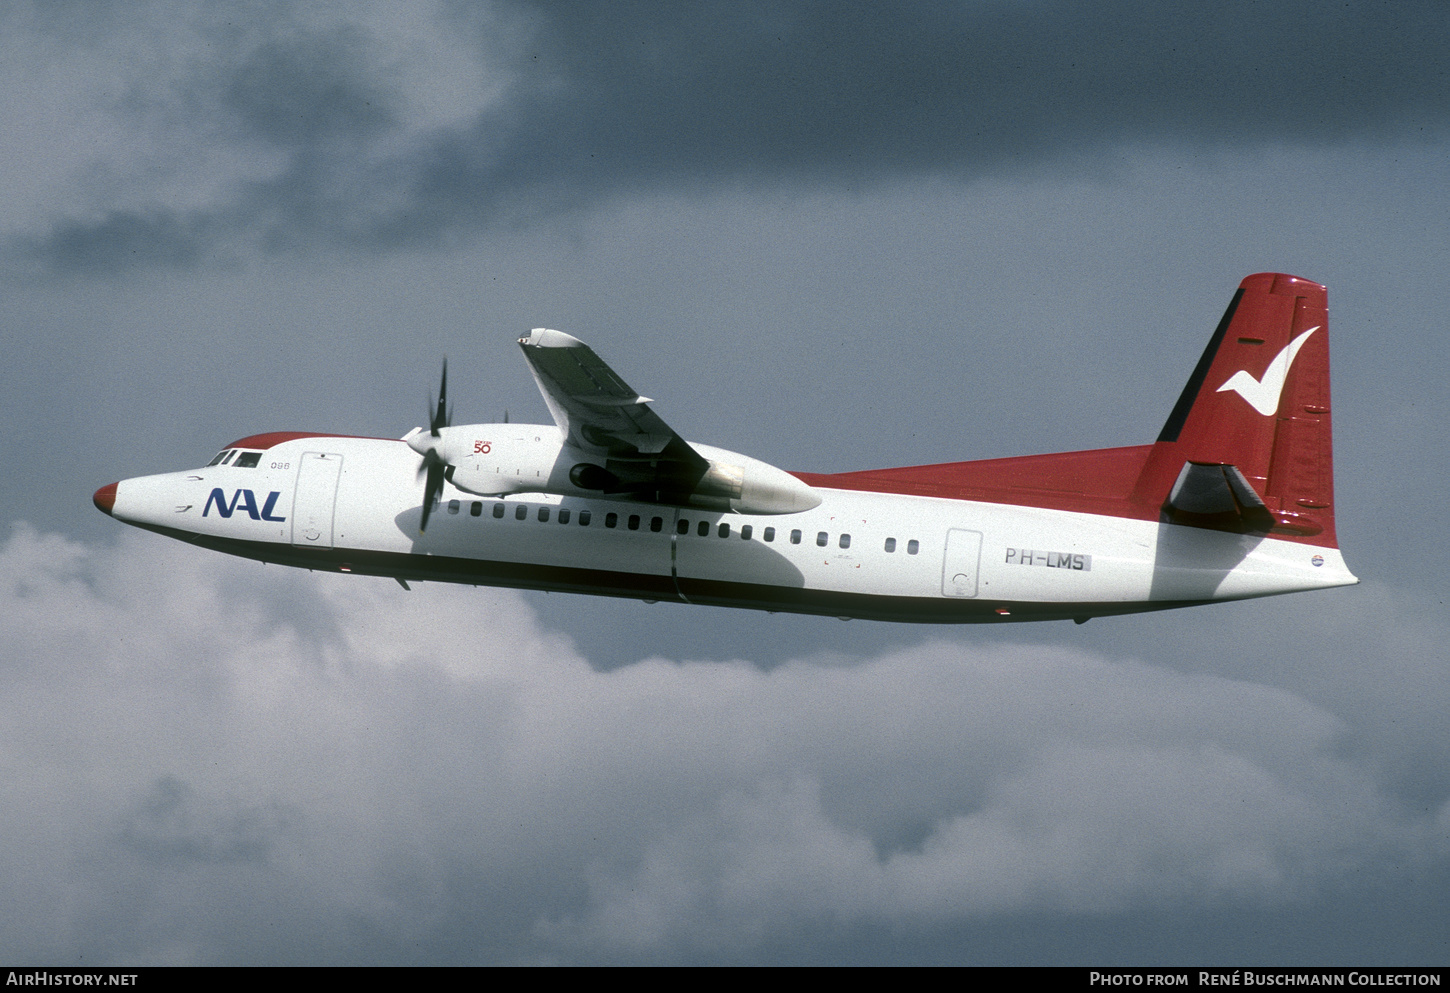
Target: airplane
1233,500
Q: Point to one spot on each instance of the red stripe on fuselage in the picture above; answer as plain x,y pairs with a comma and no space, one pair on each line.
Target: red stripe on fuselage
266,441
1100,481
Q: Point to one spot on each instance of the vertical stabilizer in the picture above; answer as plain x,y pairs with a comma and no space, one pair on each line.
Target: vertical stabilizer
1257,401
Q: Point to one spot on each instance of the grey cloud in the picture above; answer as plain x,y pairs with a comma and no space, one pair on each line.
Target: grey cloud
433,777
596,101
123,240
172,823
306,90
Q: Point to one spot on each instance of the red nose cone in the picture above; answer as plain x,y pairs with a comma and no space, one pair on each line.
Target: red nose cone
105,498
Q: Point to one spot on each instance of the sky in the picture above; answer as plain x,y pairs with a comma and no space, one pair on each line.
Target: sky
831,238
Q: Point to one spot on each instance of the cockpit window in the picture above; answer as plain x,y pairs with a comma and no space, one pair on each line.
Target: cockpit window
229,456
247,460
219,456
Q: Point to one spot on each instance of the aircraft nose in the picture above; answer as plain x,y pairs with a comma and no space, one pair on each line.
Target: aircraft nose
105,498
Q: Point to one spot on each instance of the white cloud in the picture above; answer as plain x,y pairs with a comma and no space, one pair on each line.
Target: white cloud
207,760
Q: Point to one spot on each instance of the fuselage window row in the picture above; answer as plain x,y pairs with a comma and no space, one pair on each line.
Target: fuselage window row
521,513
656,525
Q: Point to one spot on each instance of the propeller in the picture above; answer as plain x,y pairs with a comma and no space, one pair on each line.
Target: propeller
433,463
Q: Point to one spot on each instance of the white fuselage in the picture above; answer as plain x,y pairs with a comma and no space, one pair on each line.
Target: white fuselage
353,505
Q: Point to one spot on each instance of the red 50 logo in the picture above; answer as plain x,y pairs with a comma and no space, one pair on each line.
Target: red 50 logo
482,447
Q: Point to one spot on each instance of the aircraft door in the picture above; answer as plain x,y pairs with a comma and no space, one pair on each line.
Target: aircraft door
959,568
315,499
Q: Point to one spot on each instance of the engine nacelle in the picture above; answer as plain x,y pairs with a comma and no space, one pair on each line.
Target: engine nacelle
749,486
499,459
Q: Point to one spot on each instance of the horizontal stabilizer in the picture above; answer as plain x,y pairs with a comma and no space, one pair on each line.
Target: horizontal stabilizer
1216,497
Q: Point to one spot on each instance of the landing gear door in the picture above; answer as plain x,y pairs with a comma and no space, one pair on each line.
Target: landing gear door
959,568
315,499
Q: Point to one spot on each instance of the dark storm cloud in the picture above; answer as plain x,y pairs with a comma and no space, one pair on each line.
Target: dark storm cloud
656,88
596,100
307,91
313,97
125,239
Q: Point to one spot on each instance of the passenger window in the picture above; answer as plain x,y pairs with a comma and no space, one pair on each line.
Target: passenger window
745,532
247,460
683,527
584,516
498,510
453,506
611,519
521,513
724,529
795,537
891,544
845,541
543,514
656,524
704,529
634,522
770,534
912,546
564,515
822,539
475,509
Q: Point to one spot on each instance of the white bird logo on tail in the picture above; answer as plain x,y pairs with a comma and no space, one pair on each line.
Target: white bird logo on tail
1263,394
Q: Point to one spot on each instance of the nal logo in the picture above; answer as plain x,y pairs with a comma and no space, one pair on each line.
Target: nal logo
242,500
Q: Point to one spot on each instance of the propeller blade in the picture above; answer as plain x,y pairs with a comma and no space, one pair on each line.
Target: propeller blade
442,416
431,489
433,464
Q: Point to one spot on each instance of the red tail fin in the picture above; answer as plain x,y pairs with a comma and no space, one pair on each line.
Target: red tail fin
1246,449
1258,400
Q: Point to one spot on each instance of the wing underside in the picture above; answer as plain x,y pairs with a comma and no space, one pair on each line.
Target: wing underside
601,416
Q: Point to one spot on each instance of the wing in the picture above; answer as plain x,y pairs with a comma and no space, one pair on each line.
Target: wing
599,414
